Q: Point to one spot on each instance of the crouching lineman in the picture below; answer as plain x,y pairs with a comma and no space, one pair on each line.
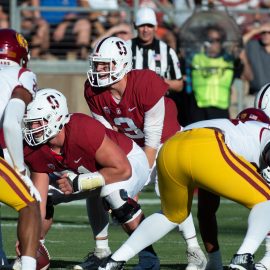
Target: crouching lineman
18,86
94,156
235,148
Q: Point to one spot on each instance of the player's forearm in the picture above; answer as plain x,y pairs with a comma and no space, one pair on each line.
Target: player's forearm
151,155
175,85
12,132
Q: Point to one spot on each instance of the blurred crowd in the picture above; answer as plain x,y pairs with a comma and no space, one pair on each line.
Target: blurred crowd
58,35
61,34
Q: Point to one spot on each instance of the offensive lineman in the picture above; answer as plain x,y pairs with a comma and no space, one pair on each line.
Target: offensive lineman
104,158
18,86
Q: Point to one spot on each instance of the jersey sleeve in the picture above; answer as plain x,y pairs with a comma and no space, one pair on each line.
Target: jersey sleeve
28,80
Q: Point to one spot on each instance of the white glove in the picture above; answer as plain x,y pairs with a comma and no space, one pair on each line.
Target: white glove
266,175
28,182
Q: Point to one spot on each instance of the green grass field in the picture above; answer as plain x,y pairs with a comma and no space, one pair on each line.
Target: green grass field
70,239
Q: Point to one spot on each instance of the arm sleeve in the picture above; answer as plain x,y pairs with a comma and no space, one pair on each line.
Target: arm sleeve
13,132
153,124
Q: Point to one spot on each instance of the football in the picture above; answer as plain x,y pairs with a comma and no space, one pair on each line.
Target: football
43,258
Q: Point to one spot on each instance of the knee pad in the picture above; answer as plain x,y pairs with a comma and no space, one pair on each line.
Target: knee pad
127,208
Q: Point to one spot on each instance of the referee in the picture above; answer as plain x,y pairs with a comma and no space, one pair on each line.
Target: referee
151,53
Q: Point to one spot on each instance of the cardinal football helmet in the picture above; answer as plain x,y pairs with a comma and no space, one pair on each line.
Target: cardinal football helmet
14,47
48,109
114,52
253,114
262,99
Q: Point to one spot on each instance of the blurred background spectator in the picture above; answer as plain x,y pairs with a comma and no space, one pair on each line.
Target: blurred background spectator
257,46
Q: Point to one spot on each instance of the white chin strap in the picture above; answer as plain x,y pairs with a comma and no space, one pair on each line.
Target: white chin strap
104,82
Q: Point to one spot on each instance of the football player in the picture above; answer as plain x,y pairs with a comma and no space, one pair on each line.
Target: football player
86,156
203,144
18,86
133,102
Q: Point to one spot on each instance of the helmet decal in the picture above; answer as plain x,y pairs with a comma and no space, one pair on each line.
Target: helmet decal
22,41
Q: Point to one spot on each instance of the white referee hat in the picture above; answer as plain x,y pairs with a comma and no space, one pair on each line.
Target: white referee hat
145,15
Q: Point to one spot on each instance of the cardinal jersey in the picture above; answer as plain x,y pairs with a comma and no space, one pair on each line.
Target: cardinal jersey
15,76
84,136
247,139
144,89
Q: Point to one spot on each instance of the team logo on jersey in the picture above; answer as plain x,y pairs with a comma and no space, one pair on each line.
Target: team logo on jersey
22,41
51,166
118,111
106,110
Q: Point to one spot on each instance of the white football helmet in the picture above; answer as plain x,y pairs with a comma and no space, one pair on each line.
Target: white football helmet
117,53
262,99
48,109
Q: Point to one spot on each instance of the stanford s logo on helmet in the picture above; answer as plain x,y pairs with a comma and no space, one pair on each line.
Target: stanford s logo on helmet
115,54
49,109
262,99
13,47
253,114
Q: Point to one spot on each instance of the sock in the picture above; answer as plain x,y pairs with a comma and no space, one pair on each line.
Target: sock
102,244
144,236
258,227
28,263
188,231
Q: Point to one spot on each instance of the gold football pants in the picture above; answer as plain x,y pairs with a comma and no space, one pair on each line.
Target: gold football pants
13,191
200,158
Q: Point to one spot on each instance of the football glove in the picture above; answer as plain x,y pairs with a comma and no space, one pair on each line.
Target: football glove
32,189
266,175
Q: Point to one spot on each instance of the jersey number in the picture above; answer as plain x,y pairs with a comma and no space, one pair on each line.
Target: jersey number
129,127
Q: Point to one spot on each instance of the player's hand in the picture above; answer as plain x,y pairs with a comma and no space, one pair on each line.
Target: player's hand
266,175
32,189
65,184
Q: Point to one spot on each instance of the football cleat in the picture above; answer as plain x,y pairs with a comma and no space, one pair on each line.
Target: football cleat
147,260
196,259
93,260
111,264
242,262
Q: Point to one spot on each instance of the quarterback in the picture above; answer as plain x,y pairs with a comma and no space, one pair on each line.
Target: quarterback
133,102
18,87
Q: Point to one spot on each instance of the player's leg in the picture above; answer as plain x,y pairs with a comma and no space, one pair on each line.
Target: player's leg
195,256
208,204
99,221
15,194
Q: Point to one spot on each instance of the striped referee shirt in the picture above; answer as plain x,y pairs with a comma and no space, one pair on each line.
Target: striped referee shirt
158,57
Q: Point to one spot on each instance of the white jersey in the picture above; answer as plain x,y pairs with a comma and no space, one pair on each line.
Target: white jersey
247,139
13,76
